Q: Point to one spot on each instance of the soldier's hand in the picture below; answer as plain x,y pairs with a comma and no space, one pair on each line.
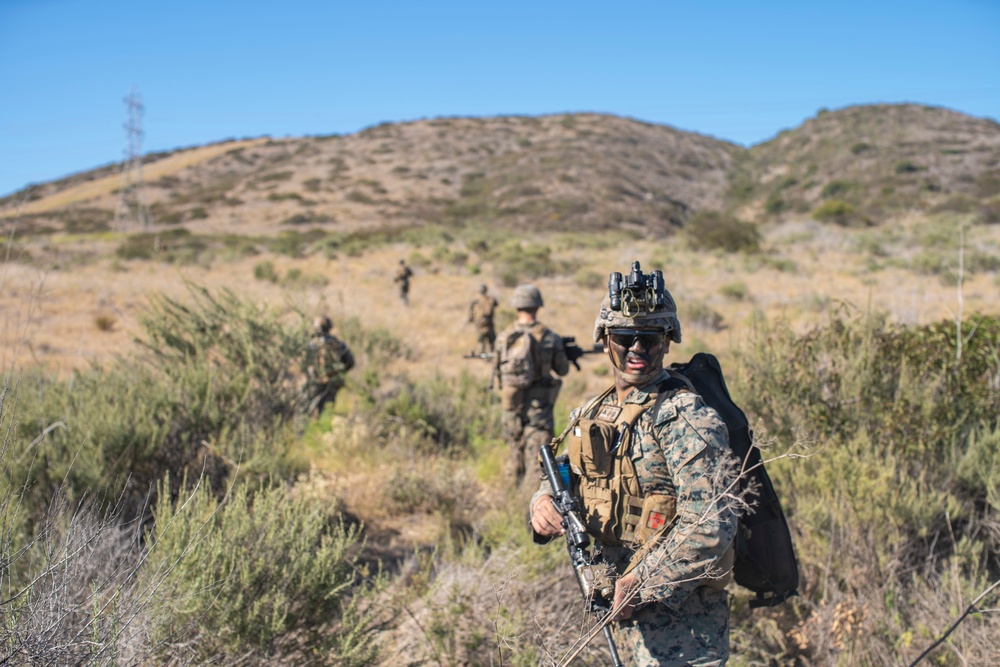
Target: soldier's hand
545,519
626,596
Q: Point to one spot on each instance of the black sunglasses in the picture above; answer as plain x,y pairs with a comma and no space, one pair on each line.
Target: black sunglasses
647,339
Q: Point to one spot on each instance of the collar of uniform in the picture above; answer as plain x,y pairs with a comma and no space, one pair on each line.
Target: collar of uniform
641,394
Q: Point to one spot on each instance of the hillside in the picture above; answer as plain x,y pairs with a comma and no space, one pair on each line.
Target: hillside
857,165
878,160
583,171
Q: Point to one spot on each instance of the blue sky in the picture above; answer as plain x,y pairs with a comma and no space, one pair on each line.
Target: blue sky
208,71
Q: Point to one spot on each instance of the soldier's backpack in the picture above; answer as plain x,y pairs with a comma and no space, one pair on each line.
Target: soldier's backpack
765,557
519,359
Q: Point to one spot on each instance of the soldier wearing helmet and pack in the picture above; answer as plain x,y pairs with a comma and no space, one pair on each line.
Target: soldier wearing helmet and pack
481,315
651,466
327,360
527,354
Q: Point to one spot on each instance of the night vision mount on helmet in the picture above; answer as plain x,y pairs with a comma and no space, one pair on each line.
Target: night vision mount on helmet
637,301
638,291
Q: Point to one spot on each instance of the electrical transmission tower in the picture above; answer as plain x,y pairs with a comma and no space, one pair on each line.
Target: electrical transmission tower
132,210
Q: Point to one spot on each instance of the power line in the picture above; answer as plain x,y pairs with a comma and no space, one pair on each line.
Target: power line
132,210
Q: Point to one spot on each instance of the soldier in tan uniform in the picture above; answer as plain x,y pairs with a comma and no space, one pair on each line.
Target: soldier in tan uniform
327,360
527,354
652,467
481,315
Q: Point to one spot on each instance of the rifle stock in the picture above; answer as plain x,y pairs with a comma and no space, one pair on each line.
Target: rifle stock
577,541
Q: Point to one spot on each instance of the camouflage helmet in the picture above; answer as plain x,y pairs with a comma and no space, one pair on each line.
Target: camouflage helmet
322,323
483,289
526,296
664,318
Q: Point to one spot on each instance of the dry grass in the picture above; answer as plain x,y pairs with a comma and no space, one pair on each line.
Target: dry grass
104,186
58,328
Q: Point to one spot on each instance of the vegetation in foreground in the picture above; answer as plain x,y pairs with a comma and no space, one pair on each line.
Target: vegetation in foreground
177,508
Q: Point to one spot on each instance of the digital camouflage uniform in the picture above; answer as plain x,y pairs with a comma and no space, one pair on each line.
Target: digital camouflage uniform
653,475
682,452
327,361
481,315
527,418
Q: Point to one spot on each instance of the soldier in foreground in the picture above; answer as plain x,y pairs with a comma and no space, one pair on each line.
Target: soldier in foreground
527,354
651,466
481,315
402,278
327,361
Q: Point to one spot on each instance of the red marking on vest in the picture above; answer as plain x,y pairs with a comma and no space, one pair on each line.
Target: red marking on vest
656,520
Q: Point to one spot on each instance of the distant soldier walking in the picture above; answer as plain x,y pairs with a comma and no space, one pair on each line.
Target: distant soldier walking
481,315
327,360
402,278
527,353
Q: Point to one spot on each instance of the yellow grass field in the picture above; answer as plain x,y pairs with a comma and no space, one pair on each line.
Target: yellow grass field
68,318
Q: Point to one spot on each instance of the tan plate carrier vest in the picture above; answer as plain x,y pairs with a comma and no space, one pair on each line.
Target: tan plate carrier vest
618,513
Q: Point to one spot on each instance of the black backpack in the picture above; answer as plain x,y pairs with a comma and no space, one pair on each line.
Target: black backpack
765,558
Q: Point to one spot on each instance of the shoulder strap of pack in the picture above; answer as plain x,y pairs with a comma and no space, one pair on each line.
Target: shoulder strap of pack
587,409
669,387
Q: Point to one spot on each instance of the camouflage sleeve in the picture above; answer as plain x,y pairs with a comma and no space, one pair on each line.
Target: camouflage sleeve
560,362
696,445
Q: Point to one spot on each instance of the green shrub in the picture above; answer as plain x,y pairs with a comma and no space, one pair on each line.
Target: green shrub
440,415
905,388
835,189
590,279
775,204
237,247
417,260
266,574
836,211
714,230
276,176
906,167
379,347
892,501
265,271
290,243
515,262
214,388
105,321
174,245
296,279
736,291
359,197
701,315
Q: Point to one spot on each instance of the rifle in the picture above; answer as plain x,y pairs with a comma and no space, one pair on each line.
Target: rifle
577,542
574,351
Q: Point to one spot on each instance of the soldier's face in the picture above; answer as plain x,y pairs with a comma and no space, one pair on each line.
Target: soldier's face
637,353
